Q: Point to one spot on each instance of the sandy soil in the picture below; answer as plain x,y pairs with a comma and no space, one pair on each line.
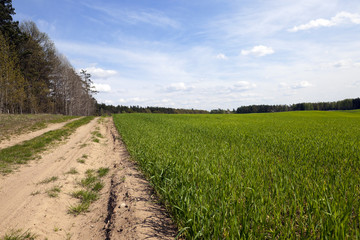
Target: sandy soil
127,208
16,139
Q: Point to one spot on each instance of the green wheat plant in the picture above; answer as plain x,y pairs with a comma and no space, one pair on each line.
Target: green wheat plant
292,175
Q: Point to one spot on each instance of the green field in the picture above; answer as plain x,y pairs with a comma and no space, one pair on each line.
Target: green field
275,175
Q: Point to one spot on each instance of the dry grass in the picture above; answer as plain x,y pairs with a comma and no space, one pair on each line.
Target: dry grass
14,124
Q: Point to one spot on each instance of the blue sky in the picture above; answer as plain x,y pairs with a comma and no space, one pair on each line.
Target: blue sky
207,54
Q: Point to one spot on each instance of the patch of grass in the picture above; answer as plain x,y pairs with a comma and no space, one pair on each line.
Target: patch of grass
49,180
54,191
79,208
80,160
83,145
68,236
89,181
85,195
97,186
96,135
85,156
35,193
29,150
19,235
102,172
72,171
92,185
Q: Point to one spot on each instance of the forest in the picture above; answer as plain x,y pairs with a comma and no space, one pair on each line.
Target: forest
34,76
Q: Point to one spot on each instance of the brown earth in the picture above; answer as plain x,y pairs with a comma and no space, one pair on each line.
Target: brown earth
126,209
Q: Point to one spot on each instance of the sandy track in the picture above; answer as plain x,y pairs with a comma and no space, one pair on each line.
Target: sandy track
16,139
126,209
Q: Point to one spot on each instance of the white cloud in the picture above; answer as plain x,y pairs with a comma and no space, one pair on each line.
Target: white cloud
176,87
100,73
338,19
345,64
152,17
221,56
147,16
102,87
302,84
258,51
243,86
341,64
298,85
134,100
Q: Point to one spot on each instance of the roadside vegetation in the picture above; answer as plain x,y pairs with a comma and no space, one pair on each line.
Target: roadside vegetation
292,175
14,124
91,186
29,150
19,235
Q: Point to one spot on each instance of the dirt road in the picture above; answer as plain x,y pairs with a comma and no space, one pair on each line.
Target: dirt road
126,208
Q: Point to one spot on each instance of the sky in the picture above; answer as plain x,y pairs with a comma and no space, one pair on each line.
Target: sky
207,54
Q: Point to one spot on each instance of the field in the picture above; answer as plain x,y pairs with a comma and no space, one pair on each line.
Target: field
276,175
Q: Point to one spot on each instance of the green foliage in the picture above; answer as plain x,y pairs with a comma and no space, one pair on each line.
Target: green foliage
19,235
72,171
85,196
79,208
49,180
92,186
54,191
103,172
291,175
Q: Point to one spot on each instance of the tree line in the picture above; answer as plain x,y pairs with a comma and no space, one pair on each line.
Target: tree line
34,76
110,109
346,104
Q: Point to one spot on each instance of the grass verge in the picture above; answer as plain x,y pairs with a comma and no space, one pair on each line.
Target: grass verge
13,124
29,150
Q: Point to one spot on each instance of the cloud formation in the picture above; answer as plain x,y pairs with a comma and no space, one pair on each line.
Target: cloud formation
221,56
243,86
102,87
177,87
135,16
100,73
258,51
338,19
298,85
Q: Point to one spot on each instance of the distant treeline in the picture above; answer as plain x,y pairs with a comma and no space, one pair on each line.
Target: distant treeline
34,76
347,104
110,109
